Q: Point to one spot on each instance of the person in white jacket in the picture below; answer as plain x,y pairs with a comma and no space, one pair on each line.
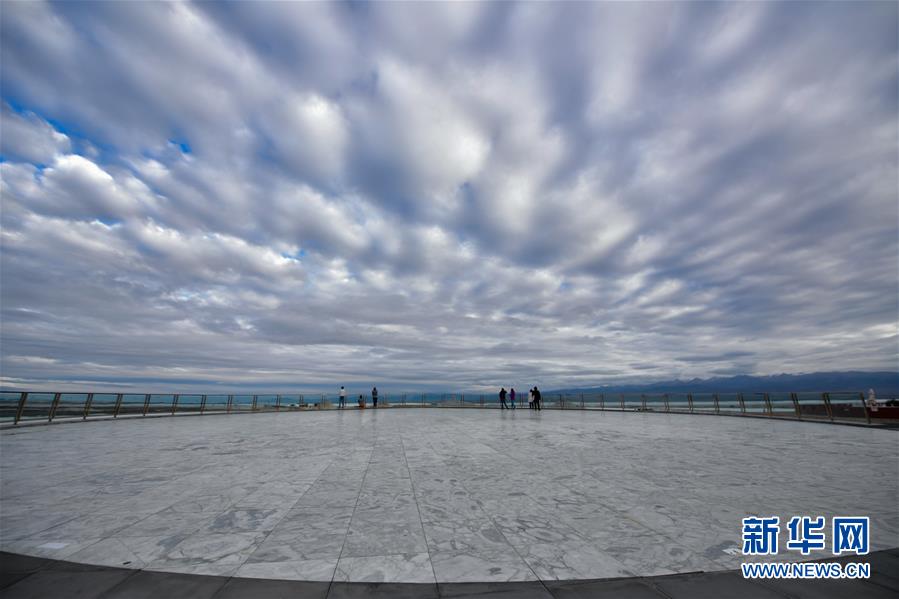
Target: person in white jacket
342,402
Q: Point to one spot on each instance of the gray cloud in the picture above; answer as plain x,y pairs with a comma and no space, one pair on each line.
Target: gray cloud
445,195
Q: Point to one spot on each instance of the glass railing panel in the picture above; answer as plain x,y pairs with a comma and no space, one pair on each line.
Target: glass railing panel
216,403
189,404
103,404
605,400
729,403
632,401
160,403
9,405
812,406
132,403
37,407
242,403
655,403
70,405
755,403
678,402
782,404
847,406
704,402
266,402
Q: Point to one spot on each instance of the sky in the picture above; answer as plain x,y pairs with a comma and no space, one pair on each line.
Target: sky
289,196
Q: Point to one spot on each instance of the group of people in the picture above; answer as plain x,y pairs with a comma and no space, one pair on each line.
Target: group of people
534,398
342,398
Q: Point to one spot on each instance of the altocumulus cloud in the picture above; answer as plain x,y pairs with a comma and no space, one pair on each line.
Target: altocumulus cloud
286,195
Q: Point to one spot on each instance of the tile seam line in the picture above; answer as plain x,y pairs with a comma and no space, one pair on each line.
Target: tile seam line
136,522
355,507
490,518
108,591
418,511
293,505
626,517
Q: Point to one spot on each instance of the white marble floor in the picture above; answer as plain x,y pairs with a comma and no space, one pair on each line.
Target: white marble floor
432,494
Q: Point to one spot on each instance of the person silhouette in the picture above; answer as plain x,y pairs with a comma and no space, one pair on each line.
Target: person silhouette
502,399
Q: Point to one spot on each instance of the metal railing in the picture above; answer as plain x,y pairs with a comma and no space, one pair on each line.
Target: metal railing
27,407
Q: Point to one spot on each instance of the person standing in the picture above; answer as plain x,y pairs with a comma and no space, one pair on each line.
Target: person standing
374,397
872,400
361,402
530,399
342,402
502,399
512,397
537,398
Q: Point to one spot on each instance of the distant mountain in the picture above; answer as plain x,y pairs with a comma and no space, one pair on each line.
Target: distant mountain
883,383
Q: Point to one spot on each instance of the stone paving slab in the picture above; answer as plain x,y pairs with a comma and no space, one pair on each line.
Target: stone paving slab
432,496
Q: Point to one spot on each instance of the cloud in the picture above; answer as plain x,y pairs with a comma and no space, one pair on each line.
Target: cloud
27,137
452,196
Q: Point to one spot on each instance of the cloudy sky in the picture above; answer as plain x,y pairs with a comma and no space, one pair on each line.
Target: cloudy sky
445,196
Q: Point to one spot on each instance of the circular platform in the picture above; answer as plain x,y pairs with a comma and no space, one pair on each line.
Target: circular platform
432,495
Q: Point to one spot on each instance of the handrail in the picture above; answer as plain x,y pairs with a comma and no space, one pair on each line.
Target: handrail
837,407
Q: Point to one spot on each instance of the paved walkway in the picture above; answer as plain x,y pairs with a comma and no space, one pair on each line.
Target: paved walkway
35,578
432,496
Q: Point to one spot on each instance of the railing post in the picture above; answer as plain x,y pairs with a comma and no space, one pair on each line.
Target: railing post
861,397
643,400
253,409
482,400
795,398
561,402
118,405
175,403
404,399
690,401
87,405
621,395
53,407
462,400
827,406
742,404
277,403
602,401
23,397
202,404
768,406
230,401
582,401
667,408
146,403
717,403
